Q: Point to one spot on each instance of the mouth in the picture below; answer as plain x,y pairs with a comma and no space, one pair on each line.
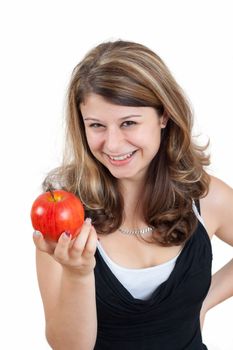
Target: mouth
121,157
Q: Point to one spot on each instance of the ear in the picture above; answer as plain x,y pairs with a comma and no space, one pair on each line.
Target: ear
164,119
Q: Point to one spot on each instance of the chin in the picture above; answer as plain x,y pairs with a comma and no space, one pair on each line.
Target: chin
129,176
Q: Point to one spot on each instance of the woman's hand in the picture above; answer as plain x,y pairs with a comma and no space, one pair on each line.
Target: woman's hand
76,255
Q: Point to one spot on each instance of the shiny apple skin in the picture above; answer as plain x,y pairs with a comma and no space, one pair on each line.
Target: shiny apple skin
52,217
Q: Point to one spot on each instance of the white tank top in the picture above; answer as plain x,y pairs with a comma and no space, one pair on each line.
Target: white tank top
141,283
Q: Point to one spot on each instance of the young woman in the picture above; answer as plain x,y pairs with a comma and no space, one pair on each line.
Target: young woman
138,275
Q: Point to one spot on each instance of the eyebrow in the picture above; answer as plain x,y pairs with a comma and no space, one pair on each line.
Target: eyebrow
123,118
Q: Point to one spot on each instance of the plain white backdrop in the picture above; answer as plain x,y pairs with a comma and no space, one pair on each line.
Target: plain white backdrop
41,42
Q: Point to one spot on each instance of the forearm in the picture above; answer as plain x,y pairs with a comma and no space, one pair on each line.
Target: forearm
221,287
73,325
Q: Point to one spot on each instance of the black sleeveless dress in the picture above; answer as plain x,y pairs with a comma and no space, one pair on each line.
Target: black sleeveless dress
169,320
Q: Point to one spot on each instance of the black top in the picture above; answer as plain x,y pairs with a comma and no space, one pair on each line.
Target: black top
169,319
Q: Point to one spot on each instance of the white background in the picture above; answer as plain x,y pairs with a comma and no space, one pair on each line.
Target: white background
41,42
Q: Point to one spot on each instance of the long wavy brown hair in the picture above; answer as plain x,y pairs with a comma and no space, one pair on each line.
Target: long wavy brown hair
130,74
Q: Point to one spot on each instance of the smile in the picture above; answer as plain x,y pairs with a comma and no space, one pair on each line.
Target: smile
123,157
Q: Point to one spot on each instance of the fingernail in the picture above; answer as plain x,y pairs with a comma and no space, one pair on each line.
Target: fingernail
88,220
66,235
37,233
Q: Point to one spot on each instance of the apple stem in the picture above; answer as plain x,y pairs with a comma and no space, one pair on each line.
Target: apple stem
52,194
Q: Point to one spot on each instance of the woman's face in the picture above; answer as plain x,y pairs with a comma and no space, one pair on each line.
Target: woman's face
124,139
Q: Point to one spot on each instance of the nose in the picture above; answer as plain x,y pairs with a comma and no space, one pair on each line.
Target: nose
113,140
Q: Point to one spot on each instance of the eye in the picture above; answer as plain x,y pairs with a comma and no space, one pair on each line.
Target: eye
95,125
129,123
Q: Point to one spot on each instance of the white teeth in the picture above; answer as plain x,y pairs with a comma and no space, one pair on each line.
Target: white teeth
122,157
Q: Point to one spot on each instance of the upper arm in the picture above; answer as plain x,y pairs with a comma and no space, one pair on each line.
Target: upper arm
49,274
217,210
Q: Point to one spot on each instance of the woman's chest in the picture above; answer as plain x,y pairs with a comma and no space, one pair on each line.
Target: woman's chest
130,252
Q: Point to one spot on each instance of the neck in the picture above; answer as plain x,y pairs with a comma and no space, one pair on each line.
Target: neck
130,189
131,192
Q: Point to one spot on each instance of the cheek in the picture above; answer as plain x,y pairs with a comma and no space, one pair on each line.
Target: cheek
149,138
94,142
152,142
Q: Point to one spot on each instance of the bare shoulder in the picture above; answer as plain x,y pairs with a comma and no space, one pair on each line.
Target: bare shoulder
49,274
217,210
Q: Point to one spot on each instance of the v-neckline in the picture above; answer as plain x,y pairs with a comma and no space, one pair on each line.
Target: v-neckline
119,288
164,288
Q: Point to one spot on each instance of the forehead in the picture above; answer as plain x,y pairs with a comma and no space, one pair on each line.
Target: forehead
95,106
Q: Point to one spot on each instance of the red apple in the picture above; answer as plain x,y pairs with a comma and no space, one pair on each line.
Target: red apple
55,212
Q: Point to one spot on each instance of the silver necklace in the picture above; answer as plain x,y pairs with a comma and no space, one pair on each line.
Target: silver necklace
138,231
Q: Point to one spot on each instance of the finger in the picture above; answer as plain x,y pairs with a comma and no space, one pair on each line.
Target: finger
42,244
80,241
61,251
91,244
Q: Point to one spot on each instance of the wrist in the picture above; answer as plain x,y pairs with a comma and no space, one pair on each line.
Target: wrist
77,275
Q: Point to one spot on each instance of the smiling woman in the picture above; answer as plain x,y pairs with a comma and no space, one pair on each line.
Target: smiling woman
139,276
127,147
113,81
